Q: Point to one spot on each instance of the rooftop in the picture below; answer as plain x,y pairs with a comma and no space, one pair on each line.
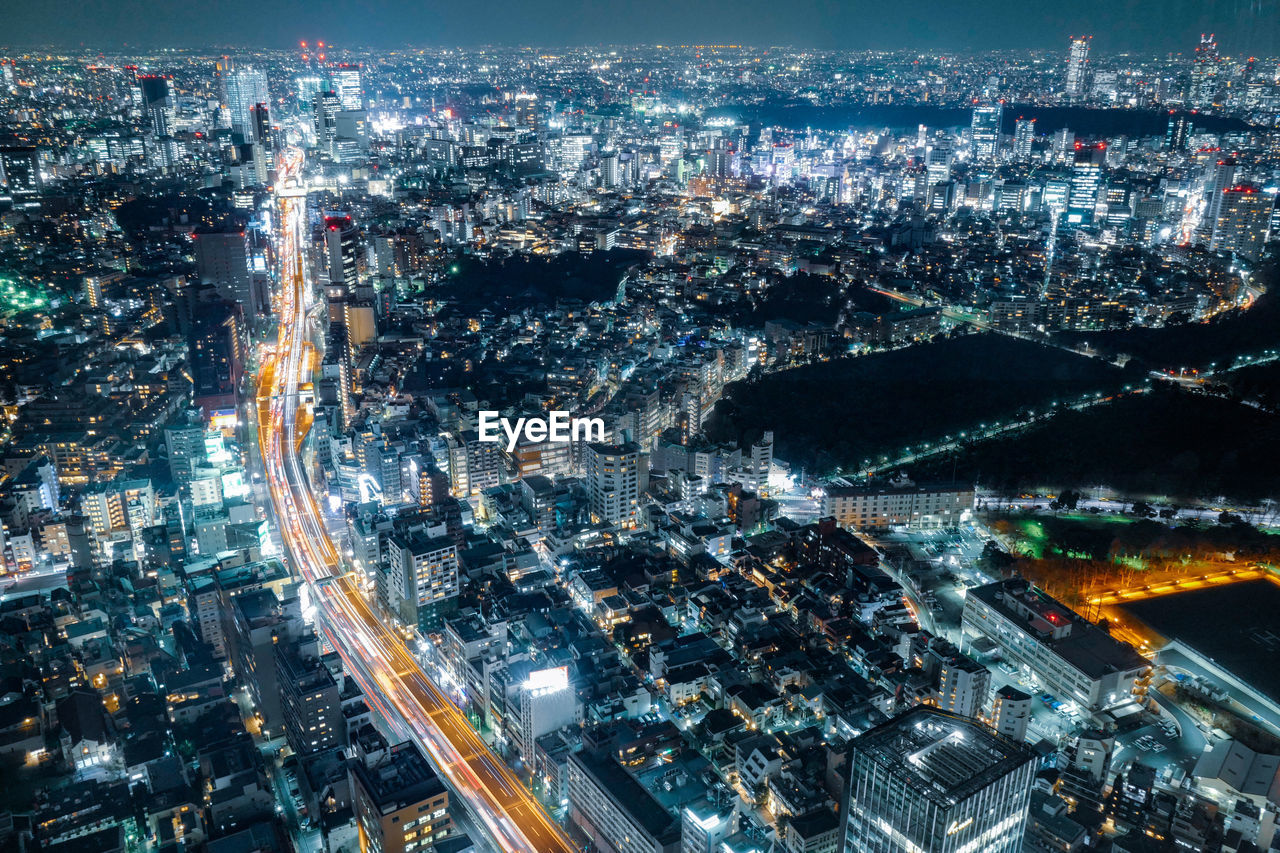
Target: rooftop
945,756
402,778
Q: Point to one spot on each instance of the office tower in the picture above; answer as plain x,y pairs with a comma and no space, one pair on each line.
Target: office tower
984,127
1204,73
1078,66
261,619
400,803
928,781
1024,135
325,109
20,167
350,136
1243,219
342,254
1220,178
613,482
155,99
260,119
938,162
527,110
1086,181
222,261
1064,145
309,88
1178,132
344,80
244,88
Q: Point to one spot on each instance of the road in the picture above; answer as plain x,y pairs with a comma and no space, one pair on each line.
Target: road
373,652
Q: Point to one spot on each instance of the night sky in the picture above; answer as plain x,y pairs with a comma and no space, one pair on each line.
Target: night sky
1150,26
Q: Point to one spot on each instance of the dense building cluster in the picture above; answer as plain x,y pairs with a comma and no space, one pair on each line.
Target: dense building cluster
678,643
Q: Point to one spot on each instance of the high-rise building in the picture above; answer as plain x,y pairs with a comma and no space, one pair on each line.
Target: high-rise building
1024,135
614,482
20,167
1220,178
155,99
761,464
1078,66
527,110
961,684
422,577
1178,132
222,260
1086,182
344,80
1204,73
938,162
400,803
1243,220
342,253
984,128
309,88
217,345
184,442
326,107
243,89
547,703
311,704
928,781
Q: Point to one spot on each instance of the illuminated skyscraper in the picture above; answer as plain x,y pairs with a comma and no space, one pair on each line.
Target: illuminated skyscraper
1086,180
326,108
345,82
984,127
342,248
309,87
223,261
1204,73
1220,178
20,168
244,88
1178,132
155,97
1024,134
1078,66
938,162
928,781
1243,219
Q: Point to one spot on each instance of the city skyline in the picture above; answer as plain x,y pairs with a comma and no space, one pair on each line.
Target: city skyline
642,449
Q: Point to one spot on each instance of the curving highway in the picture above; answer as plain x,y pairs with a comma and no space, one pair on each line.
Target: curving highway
373,652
